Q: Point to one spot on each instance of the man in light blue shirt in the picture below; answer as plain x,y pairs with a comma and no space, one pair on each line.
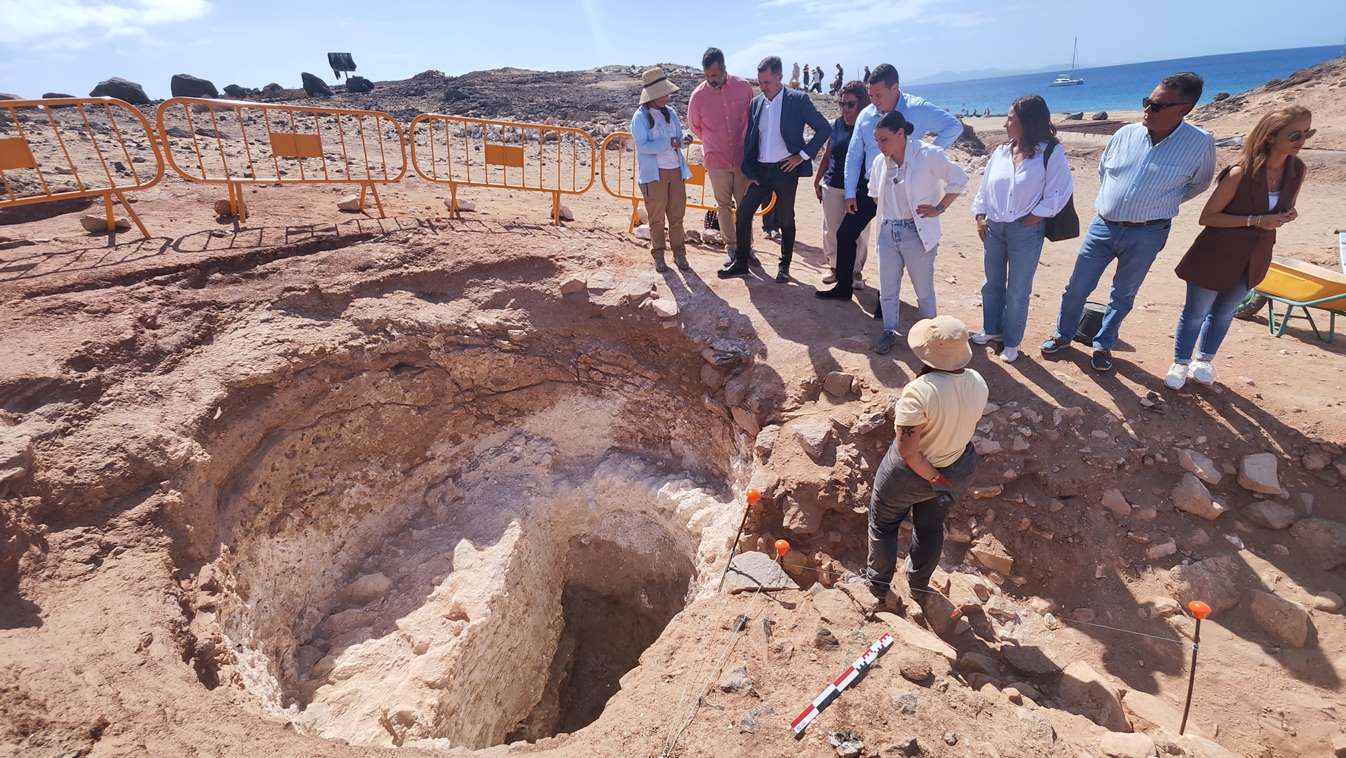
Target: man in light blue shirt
884,96
1147,171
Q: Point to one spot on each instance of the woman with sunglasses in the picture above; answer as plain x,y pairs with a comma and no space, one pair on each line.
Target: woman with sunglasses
1026,182
829,183
1253,198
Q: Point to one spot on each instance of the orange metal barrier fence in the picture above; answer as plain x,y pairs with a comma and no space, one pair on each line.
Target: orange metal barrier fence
474,152
76,147
618,172
235,142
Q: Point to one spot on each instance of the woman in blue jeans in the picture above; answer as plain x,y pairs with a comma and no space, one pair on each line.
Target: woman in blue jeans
1022,186
1253,198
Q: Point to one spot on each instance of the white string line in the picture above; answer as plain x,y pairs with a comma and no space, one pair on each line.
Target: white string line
1063,619
671,741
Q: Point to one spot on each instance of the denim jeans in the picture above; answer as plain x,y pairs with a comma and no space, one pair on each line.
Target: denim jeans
1012,253
1134,248
900,247
897,492
1206,314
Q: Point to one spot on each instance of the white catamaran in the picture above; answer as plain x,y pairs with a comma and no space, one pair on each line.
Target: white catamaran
1069,80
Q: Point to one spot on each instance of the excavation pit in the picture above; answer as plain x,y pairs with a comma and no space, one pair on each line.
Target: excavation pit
460,550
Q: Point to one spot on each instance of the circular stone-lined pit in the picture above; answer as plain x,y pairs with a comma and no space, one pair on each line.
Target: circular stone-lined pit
407,569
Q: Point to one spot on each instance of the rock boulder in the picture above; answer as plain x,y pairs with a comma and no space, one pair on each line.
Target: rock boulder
359,84
1091,694
186,85
1323,539
1215,581
1192,496
1285,620
1257,472
315,87
122,89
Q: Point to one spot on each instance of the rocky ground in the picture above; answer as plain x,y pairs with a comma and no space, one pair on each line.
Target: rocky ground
322,484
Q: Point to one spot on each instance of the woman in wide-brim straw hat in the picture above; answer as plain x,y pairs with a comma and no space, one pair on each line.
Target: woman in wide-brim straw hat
931,459
661,168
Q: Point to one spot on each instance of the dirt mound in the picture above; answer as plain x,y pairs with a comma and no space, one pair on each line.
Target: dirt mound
1320,88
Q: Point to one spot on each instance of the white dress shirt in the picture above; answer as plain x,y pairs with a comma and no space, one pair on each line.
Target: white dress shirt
771,146
1008,192
893,205
928,174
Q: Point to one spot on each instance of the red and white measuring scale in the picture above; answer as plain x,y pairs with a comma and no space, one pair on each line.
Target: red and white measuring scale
848,677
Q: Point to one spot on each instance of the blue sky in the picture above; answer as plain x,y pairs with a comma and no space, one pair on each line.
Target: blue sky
69,45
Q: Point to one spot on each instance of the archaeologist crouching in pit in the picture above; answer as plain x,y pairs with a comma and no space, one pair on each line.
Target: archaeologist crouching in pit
661,167
931,459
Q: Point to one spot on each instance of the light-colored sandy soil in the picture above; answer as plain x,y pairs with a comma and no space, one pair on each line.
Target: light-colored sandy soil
212,435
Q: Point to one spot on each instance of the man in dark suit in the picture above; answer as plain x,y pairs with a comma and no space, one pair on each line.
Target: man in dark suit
775,156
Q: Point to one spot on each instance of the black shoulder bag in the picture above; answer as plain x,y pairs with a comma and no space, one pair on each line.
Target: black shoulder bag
1065,224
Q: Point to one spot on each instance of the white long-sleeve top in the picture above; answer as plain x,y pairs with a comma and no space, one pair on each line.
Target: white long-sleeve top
1009,192
924,178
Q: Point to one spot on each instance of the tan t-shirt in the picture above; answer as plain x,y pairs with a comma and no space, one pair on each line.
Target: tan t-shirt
948,407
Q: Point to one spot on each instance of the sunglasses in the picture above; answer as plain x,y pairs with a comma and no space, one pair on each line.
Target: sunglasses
849,104
1156,106
1299,135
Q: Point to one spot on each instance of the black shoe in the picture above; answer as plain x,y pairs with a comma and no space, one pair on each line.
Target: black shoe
680,260
738,268
753,261
836,293
659,264
1102,361
783,275
1055,345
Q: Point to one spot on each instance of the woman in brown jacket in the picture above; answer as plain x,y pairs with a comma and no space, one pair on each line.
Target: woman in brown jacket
1253,198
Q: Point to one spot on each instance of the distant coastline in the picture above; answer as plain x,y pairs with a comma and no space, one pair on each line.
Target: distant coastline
1122,86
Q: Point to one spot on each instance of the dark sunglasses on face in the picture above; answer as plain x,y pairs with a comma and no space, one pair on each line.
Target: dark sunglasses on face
849,104
1300,135
1156,106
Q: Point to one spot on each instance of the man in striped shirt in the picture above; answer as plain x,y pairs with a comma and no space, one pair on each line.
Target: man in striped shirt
1147,171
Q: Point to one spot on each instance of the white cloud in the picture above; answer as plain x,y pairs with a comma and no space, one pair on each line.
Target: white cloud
72,24
836,26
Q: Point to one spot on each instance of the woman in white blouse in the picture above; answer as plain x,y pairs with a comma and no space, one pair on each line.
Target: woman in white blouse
1026,181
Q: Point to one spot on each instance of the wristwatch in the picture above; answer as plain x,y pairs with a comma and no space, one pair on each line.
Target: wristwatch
940,206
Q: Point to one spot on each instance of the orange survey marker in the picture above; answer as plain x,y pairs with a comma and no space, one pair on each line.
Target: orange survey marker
474,152
67,148
235,142
618,171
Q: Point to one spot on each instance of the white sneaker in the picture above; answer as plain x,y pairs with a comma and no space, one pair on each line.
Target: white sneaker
1009,354
1177,376
981,338
1202,372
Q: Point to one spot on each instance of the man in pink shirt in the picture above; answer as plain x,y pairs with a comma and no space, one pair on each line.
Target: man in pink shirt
718,116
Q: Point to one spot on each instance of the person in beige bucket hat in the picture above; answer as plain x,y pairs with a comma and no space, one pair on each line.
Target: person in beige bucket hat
931,460
941,343
661,167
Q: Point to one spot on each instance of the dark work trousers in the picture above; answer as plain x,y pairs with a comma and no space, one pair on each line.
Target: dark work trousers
848,234
899,491
770,178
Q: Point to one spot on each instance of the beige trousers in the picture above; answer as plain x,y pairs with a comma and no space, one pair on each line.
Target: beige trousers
666,201
834,212
729,185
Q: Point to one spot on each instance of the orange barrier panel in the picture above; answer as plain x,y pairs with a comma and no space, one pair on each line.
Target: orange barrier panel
473,152
619,177
67,148
236,142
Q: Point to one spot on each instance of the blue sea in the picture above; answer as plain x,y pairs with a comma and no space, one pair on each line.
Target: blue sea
1122,87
